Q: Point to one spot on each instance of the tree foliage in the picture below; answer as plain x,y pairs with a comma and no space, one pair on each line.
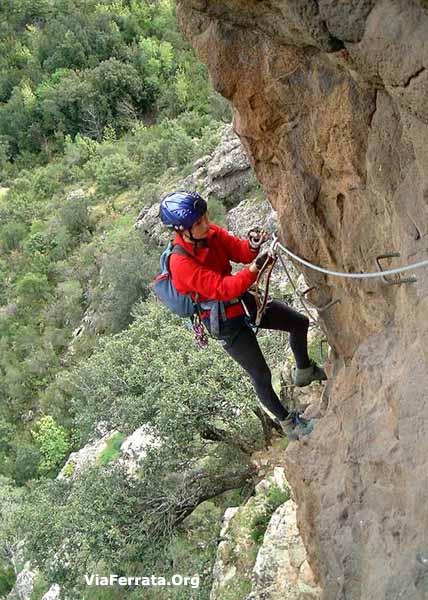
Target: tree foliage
51,439
77,66
154,373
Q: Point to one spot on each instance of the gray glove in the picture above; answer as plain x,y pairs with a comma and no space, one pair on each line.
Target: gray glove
262,258
257,237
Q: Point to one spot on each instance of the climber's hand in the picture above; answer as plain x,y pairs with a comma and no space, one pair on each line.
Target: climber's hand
260,261
257,237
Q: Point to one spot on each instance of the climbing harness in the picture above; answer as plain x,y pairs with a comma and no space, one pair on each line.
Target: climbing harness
261,295
217,312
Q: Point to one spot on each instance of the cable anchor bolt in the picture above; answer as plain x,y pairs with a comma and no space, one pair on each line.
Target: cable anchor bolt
398,280
320,309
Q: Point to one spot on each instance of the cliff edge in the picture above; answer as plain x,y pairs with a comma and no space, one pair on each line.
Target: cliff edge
329,100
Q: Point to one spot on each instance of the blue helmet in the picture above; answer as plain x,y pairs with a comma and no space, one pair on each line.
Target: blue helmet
181,209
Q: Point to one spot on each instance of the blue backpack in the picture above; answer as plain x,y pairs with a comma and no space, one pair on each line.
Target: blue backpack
180,304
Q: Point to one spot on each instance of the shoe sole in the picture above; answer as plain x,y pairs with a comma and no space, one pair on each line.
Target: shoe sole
308,383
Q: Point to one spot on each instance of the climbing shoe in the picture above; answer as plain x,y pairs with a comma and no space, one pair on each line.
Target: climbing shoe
302,377
296,427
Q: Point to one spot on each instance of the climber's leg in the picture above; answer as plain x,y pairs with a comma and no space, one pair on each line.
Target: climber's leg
240,342
244,348
279,316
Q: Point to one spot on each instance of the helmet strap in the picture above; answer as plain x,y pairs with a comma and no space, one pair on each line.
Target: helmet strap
194,240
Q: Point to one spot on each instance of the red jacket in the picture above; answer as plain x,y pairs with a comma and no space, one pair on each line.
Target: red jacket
209,273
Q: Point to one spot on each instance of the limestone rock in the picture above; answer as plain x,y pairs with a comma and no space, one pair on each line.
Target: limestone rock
78,194
23,585
252,213
229,172
134,447
221,572
148,221
281,571
53,593
329,100
226,174
86,456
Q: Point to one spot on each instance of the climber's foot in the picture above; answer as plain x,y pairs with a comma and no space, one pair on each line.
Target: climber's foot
295,427
302,377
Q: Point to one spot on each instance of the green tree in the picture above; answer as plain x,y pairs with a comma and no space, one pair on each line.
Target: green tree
10,536
51,440
11,236
154,373
32,288
128,266
115,174
26,464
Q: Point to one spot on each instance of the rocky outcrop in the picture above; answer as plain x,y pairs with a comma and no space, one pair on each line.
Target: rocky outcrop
85,457
281,571
134,448
23,585
329,100
276,568
53,593
225,174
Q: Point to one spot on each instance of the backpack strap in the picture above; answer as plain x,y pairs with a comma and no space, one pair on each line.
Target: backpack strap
217,308
177,249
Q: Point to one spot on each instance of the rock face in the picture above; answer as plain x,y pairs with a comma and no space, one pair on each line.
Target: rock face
23,585
134,448
226,174
85,457
329,100
281,570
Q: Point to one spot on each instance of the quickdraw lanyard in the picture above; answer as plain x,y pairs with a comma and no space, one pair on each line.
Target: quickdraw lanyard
261,295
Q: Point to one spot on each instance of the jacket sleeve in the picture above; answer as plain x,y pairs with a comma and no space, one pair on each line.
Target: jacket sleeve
189,277
238,250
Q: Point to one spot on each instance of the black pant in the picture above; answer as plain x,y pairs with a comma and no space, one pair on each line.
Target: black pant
240,342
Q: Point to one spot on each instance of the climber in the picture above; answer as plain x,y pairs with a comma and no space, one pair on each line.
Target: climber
206,275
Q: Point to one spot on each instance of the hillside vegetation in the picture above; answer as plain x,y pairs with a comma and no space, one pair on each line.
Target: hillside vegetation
103,107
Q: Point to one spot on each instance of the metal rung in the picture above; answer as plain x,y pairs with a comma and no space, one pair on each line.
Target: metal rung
397,281
320,308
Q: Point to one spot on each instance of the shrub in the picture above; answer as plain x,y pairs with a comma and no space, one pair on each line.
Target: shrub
78,151
32,288
115,174
7,580
74,215
11,236
275,497
69,469
26,464
128,267
112,450
67,309
52,442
